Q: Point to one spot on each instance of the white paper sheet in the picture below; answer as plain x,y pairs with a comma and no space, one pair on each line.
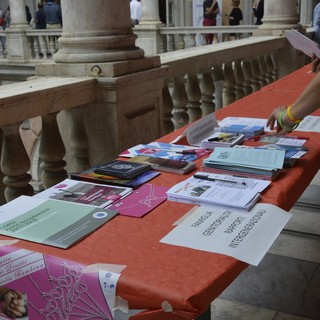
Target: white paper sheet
246,236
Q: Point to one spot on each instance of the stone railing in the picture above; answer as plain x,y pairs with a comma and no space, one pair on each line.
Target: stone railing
42,44
203,79
177,38
198,81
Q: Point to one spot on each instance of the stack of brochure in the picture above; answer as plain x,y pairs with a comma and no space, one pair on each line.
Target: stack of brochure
246,162
217,189
221,139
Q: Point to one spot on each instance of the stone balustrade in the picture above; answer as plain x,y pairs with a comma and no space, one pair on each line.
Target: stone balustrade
198,81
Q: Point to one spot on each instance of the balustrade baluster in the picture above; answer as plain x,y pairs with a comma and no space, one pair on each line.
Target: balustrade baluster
274,59
181,42
251,84
229,92
36,47
194,96
263,69
15,164
180,100
78,139
52,45
44,41
167,109
238,73
269,67
256,73
171,45
52,151
218,79
207,88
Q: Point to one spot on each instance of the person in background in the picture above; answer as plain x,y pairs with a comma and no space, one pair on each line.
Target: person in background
135,12
28,14
53,15
235,16
210,12
40,19
258,11
316,22
286,119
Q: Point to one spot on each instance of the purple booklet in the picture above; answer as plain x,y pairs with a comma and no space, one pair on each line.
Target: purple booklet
141,201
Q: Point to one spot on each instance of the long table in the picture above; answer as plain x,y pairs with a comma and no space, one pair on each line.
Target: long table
187,280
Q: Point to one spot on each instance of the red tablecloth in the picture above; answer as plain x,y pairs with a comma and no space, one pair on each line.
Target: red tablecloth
188,279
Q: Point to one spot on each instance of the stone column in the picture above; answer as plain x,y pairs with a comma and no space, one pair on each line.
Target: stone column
279,16
17,44
98,41
18,13
306,13
148,29
102,34
150,12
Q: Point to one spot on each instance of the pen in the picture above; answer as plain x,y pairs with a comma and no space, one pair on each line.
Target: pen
206,177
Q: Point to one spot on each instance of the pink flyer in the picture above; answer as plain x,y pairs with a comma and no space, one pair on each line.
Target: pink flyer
37,286
141,201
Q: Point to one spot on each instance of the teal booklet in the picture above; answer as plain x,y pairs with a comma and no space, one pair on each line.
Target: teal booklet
52,222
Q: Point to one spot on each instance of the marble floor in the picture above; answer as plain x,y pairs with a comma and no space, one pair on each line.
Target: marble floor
258,294
227,310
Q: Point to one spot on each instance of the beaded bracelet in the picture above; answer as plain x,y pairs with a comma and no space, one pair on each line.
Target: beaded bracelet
290,115
281,122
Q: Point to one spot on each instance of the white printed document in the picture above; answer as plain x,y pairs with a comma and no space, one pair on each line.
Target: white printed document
246,236
218,189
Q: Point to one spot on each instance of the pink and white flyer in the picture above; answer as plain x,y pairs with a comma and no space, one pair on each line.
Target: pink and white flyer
38,286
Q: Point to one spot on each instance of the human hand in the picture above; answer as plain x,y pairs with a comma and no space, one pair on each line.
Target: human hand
315,66
273,121
15,304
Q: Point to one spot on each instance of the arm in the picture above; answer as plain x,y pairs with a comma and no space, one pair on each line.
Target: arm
211,8
306,103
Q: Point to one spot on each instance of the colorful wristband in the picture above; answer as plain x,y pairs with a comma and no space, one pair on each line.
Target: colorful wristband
290,115
280,121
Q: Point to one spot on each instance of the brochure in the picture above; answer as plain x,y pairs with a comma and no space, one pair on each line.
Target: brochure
166,151
52,222
141,201
216,189
99,195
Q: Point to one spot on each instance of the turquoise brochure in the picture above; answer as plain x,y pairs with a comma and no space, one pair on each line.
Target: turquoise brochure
51,222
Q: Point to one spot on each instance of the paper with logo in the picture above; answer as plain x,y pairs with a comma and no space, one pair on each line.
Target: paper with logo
141,201
199,130
51,222
54,288
246,236
99,195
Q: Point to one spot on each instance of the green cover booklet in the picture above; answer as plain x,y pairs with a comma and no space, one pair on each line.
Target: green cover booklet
51,222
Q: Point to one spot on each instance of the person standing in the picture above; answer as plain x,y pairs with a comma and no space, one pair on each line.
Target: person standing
40,19
316,22
53,15
258,11
210,12
135,12
235,16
